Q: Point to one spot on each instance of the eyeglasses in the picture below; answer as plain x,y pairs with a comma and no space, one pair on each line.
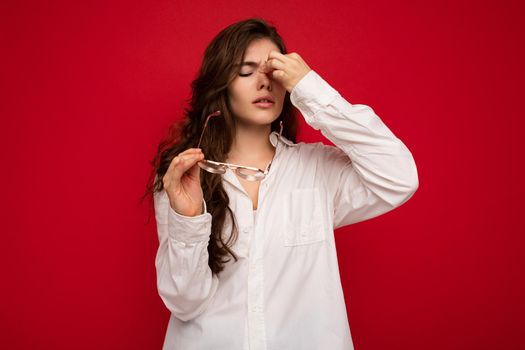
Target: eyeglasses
246,172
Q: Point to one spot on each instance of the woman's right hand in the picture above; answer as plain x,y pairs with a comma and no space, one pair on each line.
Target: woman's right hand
182,183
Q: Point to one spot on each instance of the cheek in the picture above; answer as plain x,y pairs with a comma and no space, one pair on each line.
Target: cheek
235,93
233,97
282,96
237,102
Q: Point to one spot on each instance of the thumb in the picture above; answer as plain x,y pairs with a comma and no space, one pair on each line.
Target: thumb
195,172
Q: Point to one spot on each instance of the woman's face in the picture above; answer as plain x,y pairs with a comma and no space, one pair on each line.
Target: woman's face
250,85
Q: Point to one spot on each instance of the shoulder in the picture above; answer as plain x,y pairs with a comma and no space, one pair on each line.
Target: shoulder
319,150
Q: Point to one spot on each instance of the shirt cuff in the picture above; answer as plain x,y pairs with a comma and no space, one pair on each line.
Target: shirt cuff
189,229
311,95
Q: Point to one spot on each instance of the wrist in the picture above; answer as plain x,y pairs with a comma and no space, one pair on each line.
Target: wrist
189,211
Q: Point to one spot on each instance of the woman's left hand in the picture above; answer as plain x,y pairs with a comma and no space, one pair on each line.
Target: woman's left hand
287,69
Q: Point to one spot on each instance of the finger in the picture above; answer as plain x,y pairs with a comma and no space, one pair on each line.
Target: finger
187,153
273,64
183,163
278,56
194,172
278,75
295,55
190,151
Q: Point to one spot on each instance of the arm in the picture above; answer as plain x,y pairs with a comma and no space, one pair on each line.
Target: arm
371,171
184,280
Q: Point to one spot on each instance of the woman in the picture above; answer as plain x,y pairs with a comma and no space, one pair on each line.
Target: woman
247,257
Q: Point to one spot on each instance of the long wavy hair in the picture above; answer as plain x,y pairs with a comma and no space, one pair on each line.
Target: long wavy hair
210,93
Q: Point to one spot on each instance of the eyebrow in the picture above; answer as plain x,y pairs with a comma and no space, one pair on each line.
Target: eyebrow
247,63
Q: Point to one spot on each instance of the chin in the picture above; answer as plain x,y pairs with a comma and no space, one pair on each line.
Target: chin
253,115
259,121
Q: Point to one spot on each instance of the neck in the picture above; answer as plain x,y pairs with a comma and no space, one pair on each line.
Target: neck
251,145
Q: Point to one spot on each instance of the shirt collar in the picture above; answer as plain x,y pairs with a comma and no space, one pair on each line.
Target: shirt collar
277,141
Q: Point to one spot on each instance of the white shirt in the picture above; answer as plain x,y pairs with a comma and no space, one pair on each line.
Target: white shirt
284,292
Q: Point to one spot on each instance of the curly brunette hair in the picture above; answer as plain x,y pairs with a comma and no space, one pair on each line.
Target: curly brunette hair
210,93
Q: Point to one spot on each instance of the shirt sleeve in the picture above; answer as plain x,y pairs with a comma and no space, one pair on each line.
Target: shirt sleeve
185,281
370,171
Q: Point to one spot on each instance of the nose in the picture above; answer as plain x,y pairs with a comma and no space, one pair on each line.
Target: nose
264,80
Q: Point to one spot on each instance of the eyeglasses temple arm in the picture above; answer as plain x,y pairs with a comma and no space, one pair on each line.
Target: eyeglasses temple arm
206,124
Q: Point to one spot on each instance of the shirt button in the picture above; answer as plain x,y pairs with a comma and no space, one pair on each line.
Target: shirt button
246,230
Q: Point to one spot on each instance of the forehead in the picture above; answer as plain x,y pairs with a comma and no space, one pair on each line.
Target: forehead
259,49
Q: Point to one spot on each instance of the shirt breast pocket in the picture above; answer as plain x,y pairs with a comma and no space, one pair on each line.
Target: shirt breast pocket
304,217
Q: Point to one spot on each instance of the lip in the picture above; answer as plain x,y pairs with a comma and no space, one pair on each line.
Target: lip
263,104
265,97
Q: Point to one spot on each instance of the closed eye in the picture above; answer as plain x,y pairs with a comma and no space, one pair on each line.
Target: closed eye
245,74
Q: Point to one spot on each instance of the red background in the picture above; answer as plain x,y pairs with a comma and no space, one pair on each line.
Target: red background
89,88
